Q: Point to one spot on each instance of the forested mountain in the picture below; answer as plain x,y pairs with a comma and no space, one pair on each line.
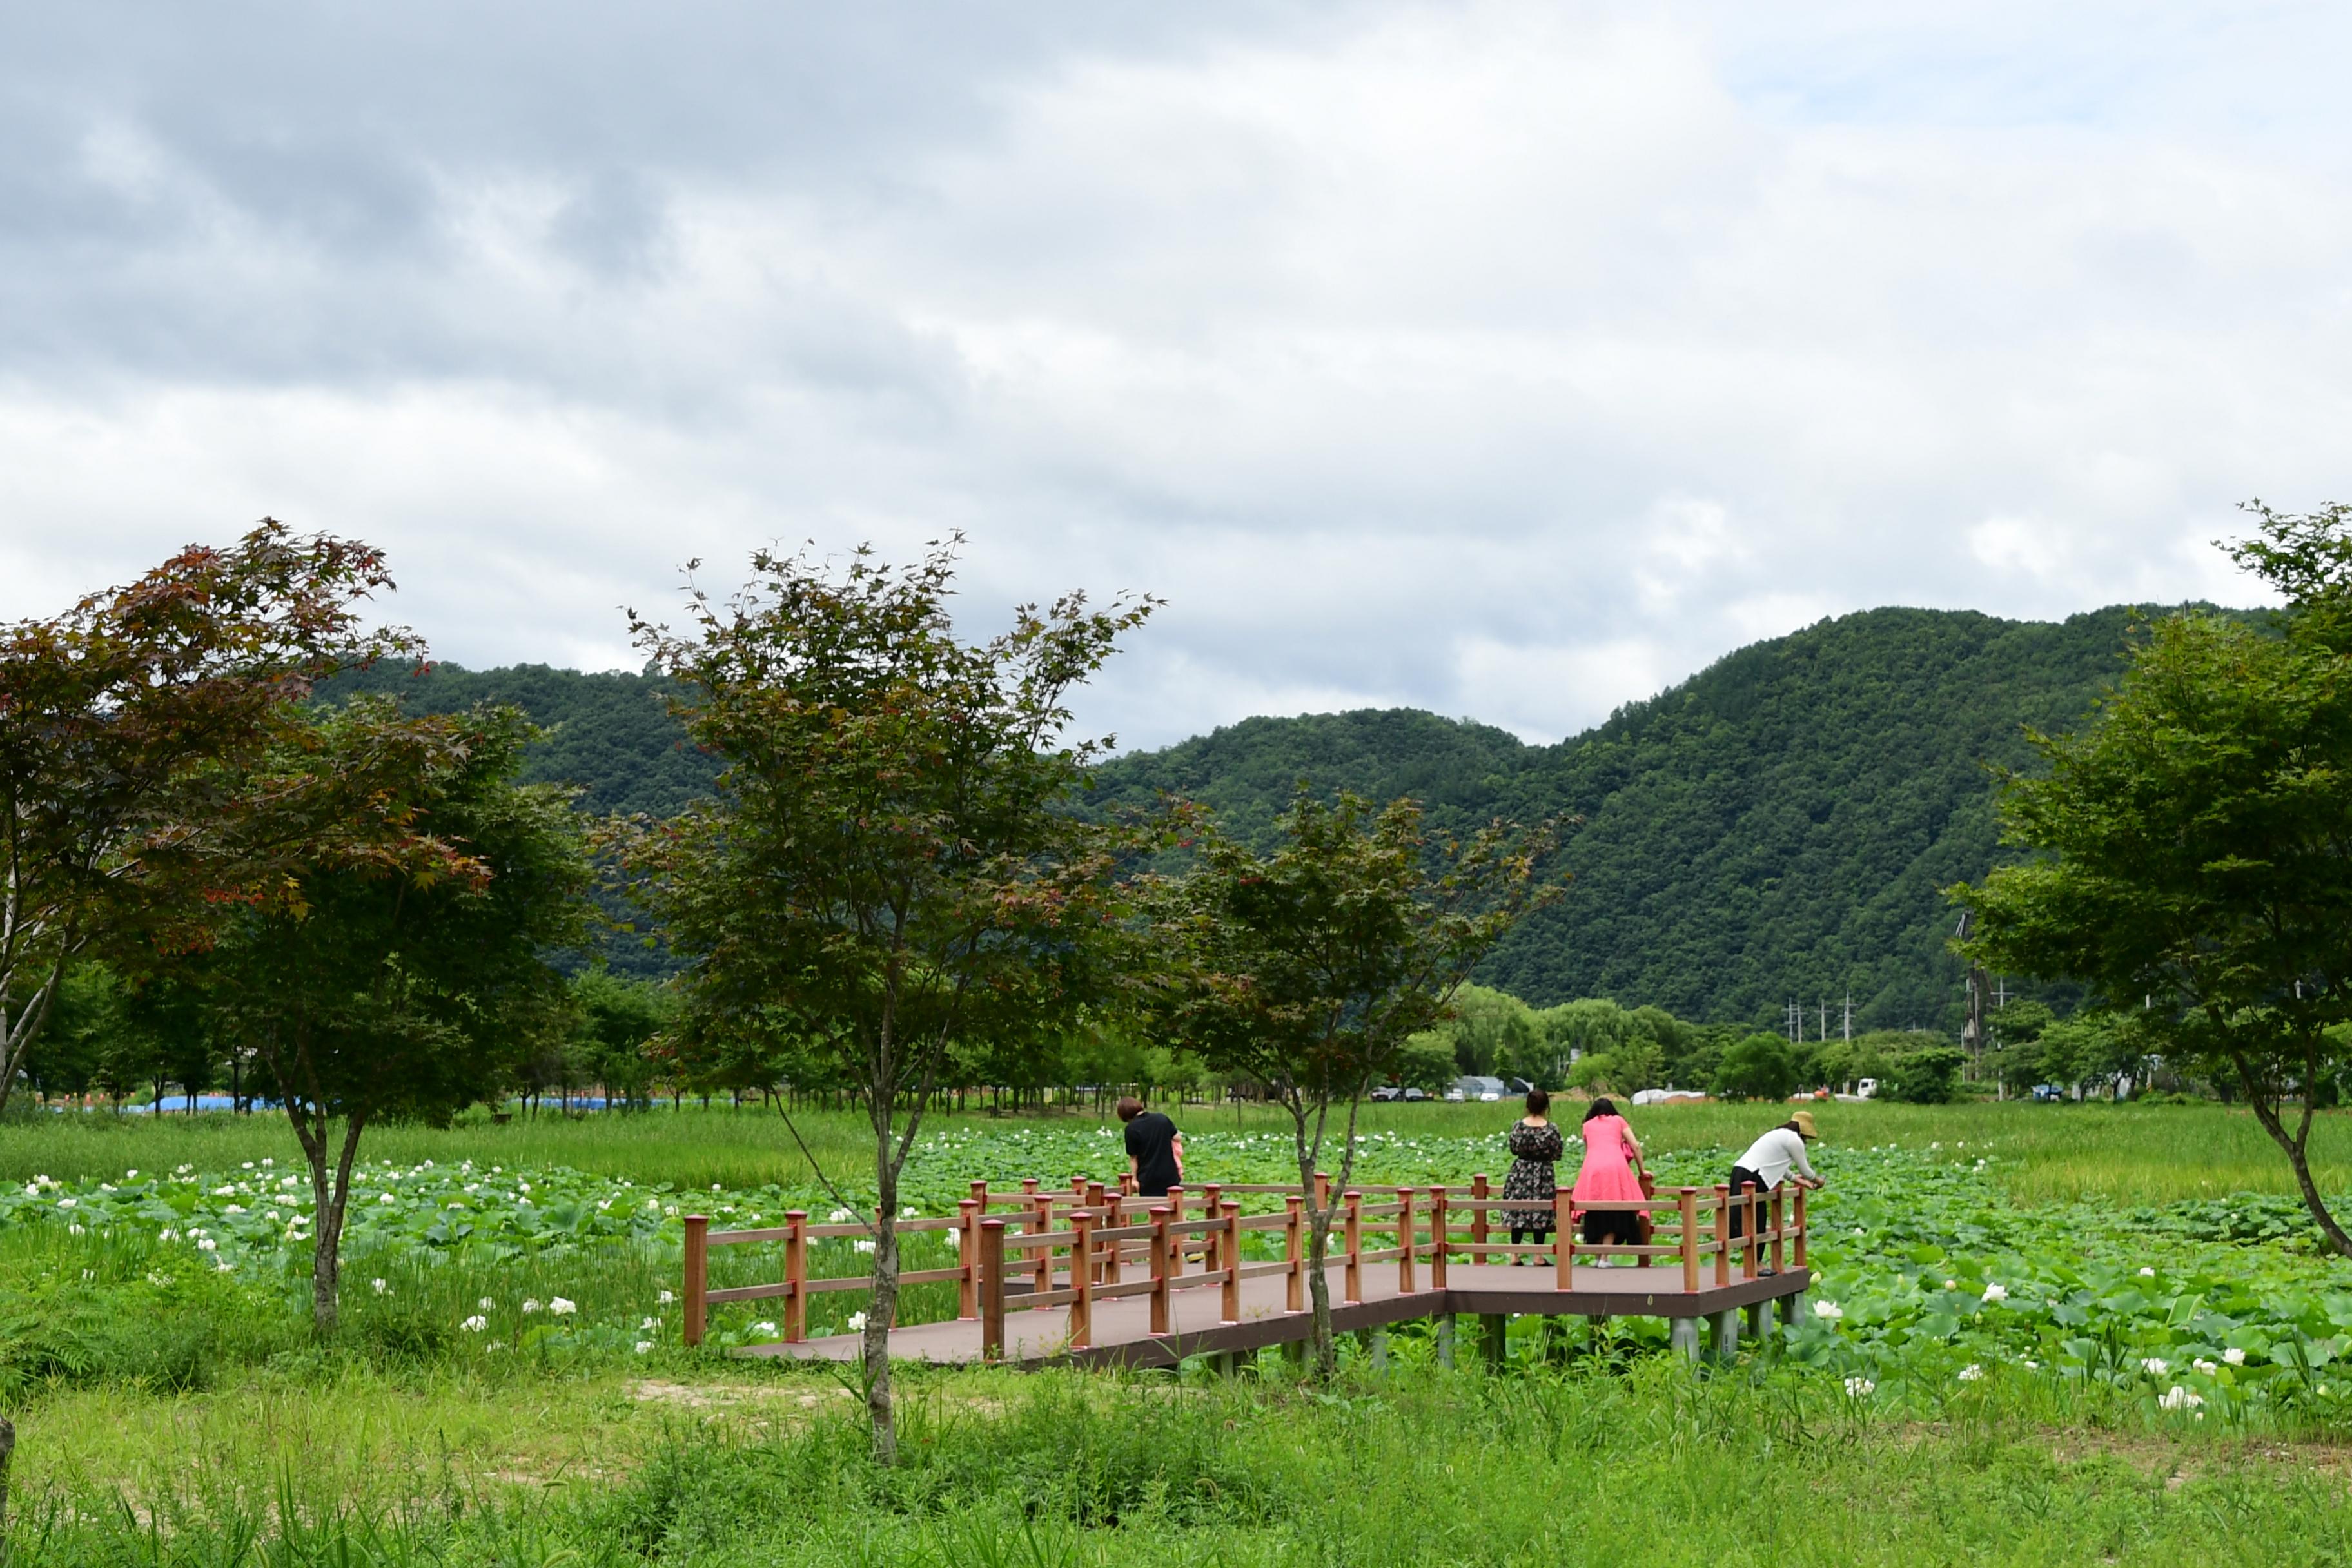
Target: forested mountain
1779,825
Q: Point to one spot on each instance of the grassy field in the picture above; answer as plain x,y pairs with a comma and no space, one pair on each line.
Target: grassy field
2046,1154
173,1411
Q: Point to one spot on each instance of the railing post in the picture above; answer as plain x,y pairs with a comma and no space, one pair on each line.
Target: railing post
1722,1235
1689,1207
1212,1203
698,1277
968,1215
991,1289
1437,1247
1160,1270
1082,1280
1323,1190
1040,1222
1779,1253
1176,1243
1801,1229
1232,1251
1354,1290
1478,1217
1563,1247
1293,1250
1752,1201
797,1276
1405,1282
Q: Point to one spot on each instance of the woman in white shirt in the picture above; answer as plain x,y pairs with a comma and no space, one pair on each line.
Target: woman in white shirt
1777,1156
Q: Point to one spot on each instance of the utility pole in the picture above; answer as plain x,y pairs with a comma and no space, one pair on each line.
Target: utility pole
1848,1017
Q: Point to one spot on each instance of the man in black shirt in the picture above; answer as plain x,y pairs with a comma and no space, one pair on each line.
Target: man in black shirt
1155,1150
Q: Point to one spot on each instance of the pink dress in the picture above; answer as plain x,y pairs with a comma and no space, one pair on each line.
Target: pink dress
1607,1174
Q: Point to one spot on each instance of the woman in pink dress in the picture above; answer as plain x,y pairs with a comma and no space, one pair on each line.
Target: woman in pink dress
1609,1175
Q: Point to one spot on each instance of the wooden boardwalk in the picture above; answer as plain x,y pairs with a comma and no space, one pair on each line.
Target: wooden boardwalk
1092,1277
1123,1332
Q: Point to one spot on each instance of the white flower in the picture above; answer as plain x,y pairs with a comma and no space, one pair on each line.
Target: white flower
2147,1273
1996,1291
130,1175
2208,1367
909,1212
1951,1284
954,1236
2234,1356
233,1209
486,1305
523,1187
665,1298
763,1327
249,1164
856,1322
649,1324
224,1192
2031,1364
475,1324
267,1164
176,1170
1829,1312
1971,1372
529,1307
1860,1388
2179,1398
75,1230
378,1284
714,1186
67,1202
2155,1365
839,1217
559,1307
166,1235
645,1347
386,1198
863,1245
208,1244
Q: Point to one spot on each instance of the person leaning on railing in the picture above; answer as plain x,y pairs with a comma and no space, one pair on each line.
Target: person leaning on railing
1155,1150
1777,1156
1610,1174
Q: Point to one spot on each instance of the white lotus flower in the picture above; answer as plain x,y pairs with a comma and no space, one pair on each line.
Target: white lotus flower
386,1198
475,1324
249,1164
486,1305
2179,1398
2234,1356
954,1236
67,1202
2155,1365
856,1322
558,1307
2146,1273
1971,1372
1996,1291
763,1327
166,1235
839,1217
379,1286
862,1244
130,1175
529,1306
665,1298
208,1244
75,1230
1860,1388
649,1324
1829,1312
2208,1367
645,1347
233,1209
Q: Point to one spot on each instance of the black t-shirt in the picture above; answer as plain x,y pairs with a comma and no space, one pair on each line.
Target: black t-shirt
1152,1139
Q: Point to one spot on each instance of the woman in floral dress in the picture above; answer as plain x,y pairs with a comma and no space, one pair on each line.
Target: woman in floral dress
1535,1147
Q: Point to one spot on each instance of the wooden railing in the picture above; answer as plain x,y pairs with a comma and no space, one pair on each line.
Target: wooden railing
1074,1248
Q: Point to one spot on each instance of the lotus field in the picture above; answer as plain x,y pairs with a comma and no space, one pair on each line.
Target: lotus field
1928,1278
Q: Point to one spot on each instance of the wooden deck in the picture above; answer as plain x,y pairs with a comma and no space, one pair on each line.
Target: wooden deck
1094,1276
1123,1332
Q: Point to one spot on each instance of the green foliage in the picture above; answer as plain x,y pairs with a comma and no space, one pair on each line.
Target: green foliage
1781,823
1926,1074
1758,1068
2194,845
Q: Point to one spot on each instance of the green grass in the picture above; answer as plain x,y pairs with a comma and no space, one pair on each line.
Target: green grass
2048,1154
1418,1466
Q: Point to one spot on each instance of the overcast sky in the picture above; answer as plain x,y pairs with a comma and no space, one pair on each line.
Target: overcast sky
1513,360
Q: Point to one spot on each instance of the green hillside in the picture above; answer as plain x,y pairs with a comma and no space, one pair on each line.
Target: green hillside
1780,824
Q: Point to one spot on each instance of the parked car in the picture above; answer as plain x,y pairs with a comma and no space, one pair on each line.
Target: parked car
1474,1087
1411,1093
1387,1091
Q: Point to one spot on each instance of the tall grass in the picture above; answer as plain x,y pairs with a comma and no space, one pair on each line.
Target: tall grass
2043,1153
1421,1467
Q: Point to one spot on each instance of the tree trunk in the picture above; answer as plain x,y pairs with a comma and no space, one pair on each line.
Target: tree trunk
2296,1145
884,1307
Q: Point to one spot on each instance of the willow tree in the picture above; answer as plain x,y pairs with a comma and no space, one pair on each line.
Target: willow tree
1310,967
2192,847
889,865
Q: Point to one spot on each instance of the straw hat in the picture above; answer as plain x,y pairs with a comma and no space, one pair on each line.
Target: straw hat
1804,1120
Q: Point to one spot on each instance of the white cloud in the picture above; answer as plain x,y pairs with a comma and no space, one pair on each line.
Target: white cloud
1510,360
